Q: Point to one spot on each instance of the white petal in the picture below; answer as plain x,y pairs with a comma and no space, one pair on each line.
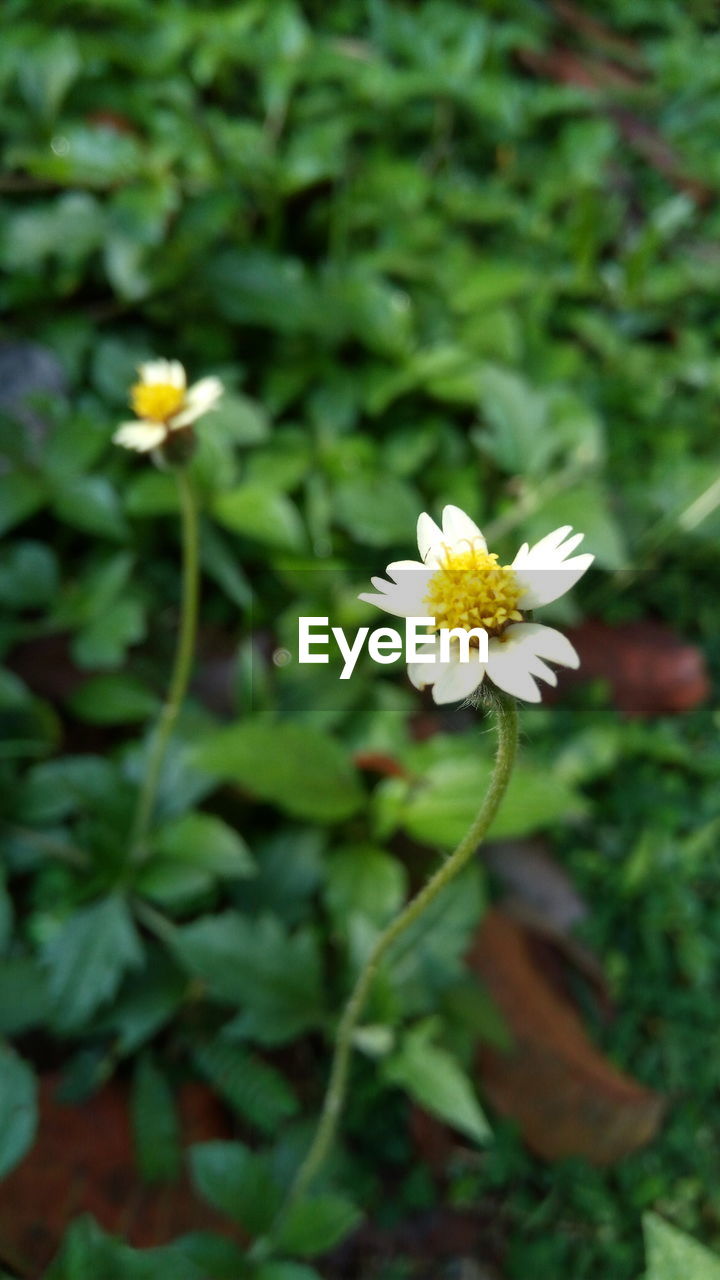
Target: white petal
201,397
542,586
515,659
459,529
429,538
168,372
544,571
141,436
405,596
548,643
403,566
546,547
422,674
457,680
403,599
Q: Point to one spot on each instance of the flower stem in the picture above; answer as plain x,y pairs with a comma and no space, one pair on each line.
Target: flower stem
184,654
507,727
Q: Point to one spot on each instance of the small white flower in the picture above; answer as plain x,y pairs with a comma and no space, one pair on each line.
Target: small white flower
164,403
460,584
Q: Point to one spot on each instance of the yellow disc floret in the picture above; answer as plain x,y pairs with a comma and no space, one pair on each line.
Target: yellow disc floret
471,589
156,401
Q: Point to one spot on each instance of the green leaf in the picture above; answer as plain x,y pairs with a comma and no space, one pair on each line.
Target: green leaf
301,770
366,881
236,1181
434,1078
113,699
47,70
18,1108
672,1255
285,1271
90,503
315,1224
263,514
204,841
87,958
151,493
256,963
24,999
439,807
21,495
88,1254
517,434
241,420
378,510
28,575
104,641
494,281
155,1123
147,1001
189,854
257,1091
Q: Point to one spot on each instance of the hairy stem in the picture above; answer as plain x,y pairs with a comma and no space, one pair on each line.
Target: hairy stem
182,665
507,728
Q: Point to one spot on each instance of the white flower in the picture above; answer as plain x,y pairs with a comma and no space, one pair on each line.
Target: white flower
164,403
460,584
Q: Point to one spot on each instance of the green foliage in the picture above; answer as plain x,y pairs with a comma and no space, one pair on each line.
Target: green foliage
315,1224
297,768
87,958
671,1253
433,1078
155,1123
18,1108
257,1091
425,275
238,1182
257,964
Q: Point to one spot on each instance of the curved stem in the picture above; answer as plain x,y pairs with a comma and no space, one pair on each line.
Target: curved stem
184,654
507,727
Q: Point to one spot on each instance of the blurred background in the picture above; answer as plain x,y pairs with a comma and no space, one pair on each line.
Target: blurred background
437,252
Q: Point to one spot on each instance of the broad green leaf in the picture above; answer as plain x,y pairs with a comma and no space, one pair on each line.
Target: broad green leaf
315,1224
378,510
47,70
204,841
262,514
440,805
151,493
113,699
88,1254
301,770
275,976
236,1181
104,640
435,1079
517,434
28,575
285,1271
367,881
18,1108
21,495
92,504
673,1255
24,999
87,958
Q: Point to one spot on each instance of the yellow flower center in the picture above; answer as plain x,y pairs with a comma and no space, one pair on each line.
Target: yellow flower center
472,590
156,401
